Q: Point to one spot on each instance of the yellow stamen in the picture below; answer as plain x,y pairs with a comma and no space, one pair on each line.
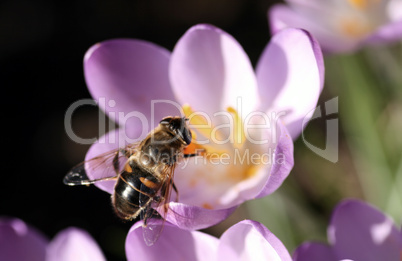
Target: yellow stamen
360,4
363,4
201,123
238,128
251,171
353,27
198,121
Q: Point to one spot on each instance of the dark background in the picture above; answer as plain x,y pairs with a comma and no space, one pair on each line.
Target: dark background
42,44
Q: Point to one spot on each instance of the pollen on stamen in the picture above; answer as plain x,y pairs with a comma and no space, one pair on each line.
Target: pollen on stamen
238,137
251,171
360,4
198,121
201,124
364,4
353,27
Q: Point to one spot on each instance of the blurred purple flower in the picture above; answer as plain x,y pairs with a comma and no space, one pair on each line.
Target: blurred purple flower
246,240
73,244
341,26
359,232
209,77
20,242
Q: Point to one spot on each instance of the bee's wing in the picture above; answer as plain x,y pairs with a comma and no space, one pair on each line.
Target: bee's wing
107,166
154,221
152,226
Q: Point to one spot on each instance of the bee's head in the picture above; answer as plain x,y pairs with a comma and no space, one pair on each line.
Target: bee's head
178,126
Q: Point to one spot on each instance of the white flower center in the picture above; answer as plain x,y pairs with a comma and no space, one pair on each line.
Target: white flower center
230,161
358,18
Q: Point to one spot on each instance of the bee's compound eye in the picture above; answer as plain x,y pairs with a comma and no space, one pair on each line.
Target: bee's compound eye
166,121
187,136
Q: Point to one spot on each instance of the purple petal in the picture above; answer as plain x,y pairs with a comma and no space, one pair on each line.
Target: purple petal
282,16
290,76
282,160
20,242
132,73
108,143
193,217
173,244
388,33
73,244
250,240
359,231
209,70
314,252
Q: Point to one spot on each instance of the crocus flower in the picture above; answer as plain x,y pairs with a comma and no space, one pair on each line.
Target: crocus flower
341,26
209,78
357,231
20,242
246,240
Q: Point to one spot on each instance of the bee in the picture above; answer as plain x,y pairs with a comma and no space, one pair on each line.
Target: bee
144,181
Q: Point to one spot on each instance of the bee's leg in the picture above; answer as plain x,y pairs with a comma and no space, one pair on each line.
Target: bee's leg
116,162
197,152
125,152
177,192
147,212
190,155
157,199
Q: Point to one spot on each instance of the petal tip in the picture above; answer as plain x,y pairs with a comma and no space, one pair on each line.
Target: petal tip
203,27
315,45
90,51
349,203
275,25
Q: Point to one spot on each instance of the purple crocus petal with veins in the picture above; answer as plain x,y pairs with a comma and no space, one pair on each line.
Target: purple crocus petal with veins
282,162
246,240
129,74
292,84
209,70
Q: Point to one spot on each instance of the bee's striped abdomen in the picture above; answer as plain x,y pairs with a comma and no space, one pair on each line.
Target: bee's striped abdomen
133,191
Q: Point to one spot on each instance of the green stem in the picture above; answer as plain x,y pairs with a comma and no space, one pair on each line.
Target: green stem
360,103
394,203
386,66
